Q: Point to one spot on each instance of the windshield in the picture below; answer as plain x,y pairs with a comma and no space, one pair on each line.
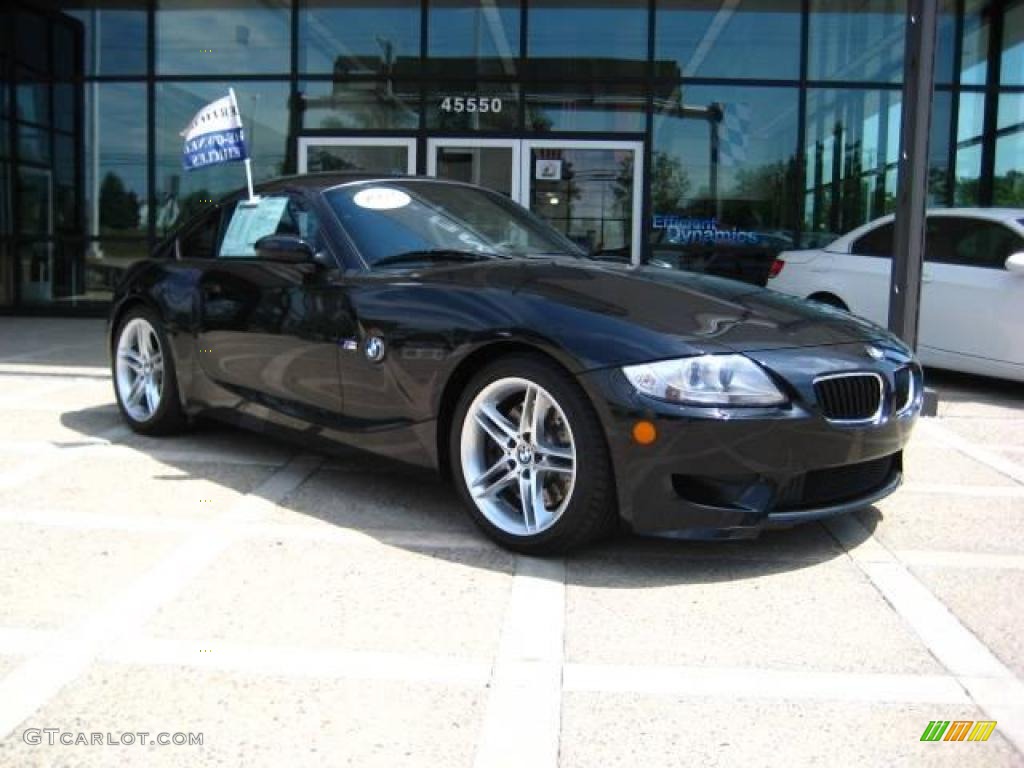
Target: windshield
390,218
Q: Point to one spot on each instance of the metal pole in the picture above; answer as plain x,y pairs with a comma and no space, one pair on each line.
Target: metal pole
912,179
248,160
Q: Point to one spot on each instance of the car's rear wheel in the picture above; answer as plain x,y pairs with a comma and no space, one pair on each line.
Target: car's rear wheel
144,375
530,459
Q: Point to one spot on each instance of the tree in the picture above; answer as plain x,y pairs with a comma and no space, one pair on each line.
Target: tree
119,208
669,183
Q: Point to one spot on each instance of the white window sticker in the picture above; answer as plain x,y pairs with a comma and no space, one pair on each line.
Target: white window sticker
381,198
548,170
249,223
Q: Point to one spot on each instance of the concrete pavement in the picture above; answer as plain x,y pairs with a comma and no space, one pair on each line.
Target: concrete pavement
297,609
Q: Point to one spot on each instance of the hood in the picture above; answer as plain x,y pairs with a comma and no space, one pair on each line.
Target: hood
703,310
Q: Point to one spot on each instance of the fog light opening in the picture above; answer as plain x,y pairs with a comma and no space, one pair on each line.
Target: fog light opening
644,433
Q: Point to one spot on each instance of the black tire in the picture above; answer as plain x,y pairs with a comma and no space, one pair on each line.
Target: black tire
591,512
169,417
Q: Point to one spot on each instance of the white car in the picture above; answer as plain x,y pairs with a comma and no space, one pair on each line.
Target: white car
972,289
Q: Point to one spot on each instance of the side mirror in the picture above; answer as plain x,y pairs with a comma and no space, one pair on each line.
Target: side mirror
288,248
1015,262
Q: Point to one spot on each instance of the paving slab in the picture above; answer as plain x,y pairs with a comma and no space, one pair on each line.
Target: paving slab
61,427
68,394
631,730
325,594
207,441
780,615
255,721
930,462
908,520
51,576
138,487
8,663
382,496
991,433
988,602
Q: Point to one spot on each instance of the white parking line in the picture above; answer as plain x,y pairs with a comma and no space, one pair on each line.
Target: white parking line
35,681
682,681
989,682
975,491
300,662
711,682
1000,464
940,559
523,718
120,452
326,532
19,641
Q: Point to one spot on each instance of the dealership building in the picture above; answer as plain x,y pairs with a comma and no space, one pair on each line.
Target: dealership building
681,131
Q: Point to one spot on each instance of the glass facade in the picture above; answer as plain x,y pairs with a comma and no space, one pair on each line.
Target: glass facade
675,130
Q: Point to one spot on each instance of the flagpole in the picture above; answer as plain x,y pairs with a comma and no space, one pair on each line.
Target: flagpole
248,160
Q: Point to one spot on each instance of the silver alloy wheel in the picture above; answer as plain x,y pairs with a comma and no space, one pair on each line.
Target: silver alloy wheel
139,369
518,456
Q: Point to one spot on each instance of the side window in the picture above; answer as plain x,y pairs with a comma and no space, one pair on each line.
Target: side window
981,243
200,242
940,233
877,242
283,214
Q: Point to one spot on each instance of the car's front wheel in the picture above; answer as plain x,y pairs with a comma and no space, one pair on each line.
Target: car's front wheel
144,376
529,458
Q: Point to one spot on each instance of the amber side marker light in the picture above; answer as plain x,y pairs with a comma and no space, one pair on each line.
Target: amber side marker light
644,433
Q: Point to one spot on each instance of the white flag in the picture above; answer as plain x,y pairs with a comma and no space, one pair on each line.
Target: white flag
214,136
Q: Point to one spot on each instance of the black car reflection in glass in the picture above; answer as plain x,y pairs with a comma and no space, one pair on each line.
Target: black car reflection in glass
441,324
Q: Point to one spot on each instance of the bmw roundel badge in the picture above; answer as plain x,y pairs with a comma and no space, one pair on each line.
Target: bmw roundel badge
874,352
374,349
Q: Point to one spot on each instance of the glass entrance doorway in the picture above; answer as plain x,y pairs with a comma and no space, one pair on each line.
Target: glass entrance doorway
591,191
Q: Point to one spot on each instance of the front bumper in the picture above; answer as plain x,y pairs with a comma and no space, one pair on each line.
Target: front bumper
731,473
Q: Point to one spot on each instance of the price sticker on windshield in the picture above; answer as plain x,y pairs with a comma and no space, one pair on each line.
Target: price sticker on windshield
381,198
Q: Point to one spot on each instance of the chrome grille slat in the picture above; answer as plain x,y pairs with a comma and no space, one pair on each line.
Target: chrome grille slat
850,397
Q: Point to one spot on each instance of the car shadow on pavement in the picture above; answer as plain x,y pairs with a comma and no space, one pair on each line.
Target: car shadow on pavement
397,504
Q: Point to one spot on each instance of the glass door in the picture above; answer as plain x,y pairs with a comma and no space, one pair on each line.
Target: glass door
491,163
368,155
36,217
590,191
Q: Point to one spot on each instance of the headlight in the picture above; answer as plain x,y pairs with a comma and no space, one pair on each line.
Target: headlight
719,380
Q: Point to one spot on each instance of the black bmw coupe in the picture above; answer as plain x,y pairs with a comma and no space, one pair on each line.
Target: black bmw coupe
441,324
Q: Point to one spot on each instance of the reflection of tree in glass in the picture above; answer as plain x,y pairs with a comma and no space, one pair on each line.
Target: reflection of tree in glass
763,196
669,183
119,208
1007,190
